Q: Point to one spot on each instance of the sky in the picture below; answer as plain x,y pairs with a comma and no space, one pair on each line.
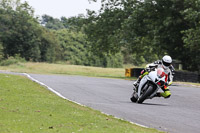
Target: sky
60,8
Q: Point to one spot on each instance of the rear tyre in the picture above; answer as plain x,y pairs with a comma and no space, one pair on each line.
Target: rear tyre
145,95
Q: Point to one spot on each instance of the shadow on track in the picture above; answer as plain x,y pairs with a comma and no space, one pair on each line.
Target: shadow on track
152,104
155,104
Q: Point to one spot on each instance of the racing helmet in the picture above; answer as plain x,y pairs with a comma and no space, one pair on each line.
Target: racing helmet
166,61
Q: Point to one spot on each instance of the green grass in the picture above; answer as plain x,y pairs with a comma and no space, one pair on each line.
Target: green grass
66,69
30,108
27,107
47,68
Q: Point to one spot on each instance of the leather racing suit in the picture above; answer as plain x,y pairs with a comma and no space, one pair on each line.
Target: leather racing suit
168,80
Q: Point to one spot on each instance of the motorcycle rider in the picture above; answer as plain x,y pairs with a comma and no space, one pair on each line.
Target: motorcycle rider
166,64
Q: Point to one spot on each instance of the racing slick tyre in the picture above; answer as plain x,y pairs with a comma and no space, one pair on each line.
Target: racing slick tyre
134,97
146,94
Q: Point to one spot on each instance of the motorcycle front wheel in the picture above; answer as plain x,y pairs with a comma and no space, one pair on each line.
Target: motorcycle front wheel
145,95
134,97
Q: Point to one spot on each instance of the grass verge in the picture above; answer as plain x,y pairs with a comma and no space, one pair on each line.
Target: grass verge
47,68
26,107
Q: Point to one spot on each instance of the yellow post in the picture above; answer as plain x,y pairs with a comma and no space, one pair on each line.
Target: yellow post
128,72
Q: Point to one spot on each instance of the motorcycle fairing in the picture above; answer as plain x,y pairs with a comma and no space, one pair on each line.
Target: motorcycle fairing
152,76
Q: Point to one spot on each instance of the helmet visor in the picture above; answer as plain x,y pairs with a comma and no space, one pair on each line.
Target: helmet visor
166,64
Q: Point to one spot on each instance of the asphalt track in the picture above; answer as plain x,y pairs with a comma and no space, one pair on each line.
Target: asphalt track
179,114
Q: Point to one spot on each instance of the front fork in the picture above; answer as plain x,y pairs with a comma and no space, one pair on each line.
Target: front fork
142,82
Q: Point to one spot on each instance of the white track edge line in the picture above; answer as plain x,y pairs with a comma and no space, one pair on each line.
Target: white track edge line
58,94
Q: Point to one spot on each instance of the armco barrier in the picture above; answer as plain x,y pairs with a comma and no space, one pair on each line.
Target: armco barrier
187,76
136,72
133,72
179,75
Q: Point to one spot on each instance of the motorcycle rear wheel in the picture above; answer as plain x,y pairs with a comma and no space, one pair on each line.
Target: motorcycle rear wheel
147,93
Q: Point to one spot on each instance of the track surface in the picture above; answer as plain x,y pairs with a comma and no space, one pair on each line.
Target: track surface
178,114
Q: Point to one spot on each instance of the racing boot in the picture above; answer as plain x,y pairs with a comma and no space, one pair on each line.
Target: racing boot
136,84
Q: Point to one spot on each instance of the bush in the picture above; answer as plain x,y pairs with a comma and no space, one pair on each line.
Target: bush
12,60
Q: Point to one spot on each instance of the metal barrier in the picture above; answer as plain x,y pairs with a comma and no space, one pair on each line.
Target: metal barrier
133,72
187,76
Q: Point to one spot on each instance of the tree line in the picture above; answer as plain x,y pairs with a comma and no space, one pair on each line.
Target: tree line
121,32
148,29
47,39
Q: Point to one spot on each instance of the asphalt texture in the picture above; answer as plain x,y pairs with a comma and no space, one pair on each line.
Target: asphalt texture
178,114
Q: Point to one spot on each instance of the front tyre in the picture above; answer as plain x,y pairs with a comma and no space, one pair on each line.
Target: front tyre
145,95
134,97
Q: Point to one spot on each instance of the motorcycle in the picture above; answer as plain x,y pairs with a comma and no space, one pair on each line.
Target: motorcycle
149,85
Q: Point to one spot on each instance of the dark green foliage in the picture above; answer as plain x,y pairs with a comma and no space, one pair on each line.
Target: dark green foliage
72,46
49,48
74,23
51,23
119,28
63,39
8,61
191,37
75,49
131,31
103,30
21,33
148,30
12,60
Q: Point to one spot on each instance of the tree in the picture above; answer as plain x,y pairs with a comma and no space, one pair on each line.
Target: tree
73,46
149,28
103,30
52,23
20,30
75,50
119,27
74,23
21,33
191,35
49,48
